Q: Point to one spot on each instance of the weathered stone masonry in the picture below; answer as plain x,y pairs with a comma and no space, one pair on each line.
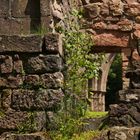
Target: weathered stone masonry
30,65
23,17
30,80
115,26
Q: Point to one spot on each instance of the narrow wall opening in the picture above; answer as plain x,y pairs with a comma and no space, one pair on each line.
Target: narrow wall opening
114,81
33,11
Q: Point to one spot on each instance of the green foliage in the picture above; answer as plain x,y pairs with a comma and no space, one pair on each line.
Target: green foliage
114,78
89,135
80,63
2,114
90,114
86,135
40,30
70,127
80,66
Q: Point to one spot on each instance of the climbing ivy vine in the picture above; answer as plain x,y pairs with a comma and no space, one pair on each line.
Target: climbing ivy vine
80,62
80,65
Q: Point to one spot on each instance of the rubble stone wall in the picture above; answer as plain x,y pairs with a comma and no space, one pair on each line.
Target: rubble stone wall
31,81
31,78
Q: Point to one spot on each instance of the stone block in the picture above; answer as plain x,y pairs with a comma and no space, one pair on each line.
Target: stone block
14,81
42,64
6,64
15,43
41,99
137,19
4,26
103,26
6,99
31,81
46,80
45,8
121,133
22,121
22,26
99,25
110,39
53,43
125,25
4,8
116,7
131,95
46,24
11,119
54,80
118,110
105,9
132,10
25,8
10,81
92,10
135,56
124,114
39,118
131,1
112,19
15,26
17,65
3,82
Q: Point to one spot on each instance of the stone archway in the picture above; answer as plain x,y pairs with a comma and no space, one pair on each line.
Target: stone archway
115,27
98,86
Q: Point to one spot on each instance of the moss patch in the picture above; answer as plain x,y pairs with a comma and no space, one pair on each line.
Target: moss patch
90,114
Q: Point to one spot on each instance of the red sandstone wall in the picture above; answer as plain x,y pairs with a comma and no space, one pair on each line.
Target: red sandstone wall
114,22
115,25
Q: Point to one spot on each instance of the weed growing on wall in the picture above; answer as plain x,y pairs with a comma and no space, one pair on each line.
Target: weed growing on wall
80,65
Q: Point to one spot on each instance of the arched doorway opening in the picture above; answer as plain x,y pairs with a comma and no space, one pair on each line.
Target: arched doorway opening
114,81
98,87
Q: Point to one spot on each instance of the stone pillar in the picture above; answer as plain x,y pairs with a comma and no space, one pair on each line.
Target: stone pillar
98,101
99,85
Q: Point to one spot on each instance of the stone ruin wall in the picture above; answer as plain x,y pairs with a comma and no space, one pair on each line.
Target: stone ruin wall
30,79
31,66
115,25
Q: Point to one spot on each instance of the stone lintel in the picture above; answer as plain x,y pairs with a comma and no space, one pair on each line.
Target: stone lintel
111,39
15,43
